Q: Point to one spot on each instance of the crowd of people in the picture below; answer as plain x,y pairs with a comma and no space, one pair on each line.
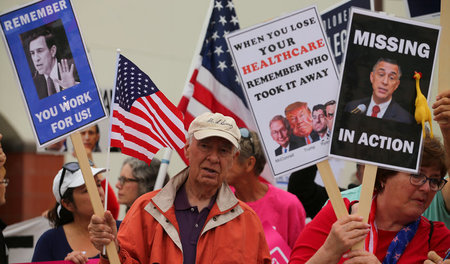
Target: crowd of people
220,210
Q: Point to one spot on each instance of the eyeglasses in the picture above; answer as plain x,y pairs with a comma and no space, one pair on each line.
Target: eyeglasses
436,184
245,133
5,181
72,167
122,180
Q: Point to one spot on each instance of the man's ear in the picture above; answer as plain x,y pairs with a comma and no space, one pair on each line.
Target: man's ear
186,151
53,51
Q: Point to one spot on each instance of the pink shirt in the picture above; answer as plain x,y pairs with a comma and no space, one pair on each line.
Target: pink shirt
283,211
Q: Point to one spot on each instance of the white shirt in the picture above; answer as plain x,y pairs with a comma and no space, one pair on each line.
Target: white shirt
383,108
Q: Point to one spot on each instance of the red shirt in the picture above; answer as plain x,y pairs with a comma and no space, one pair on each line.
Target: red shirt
315,233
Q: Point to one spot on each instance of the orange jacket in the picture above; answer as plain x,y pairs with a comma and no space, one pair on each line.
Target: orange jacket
150,234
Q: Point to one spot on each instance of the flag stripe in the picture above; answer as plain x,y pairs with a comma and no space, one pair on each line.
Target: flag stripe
143,119
124,122
213,86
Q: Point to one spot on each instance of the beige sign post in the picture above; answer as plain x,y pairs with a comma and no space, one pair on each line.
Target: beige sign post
80,151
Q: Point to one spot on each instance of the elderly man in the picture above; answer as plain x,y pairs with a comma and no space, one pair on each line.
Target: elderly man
300,120
281,133
195,218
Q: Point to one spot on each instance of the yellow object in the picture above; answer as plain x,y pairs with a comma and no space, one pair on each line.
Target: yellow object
422,113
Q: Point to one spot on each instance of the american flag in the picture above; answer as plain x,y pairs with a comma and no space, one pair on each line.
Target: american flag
143,120
214,85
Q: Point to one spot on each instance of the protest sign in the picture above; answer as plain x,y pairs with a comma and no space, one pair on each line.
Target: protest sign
52,67
335,21
382,54
288,74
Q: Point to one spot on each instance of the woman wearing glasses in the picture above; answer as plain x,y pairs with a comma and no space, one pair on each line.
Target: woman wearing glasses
69,239
281,213
136,178
396,232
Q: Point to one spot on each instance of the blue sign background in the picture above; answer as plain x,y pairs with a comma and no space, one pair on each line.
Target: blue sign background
335,22
87,106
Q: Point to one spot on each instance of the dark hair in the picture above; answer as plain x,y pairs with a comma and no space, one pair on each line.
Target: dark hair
331,102
65,216
46,33
391,61
320,107
433,155
246,151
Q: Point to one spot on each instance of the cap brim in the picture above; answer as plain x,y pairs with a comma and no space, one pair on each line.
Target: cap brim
79,180
202,134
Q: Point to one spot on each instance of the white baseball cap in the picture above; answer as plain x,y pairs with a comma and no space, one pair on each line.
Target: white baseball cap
72,178
215,125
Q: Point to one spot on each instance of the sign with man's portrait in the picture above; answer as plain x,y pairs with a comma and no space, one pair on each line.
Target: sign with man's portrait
53,70
375,120
290,79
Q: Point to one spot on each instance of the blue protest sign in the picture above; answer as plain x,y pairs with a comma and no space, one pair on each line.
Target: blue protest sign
53,70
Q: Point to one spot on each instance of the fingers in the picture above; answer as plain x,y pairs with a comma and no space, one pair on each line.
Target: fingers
63,66
346,232
360,256
78,257
434,257
100,231
66,72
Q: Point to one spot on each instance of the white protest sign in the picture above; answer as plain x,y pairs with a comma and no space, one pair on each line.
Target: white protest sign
287,71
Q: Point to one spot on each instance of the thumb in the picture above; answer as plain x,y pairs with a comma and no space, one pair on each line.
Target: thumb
110,221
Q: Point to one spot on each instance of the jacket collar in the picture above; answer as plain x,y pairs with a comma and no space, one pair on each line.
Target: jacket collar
165,198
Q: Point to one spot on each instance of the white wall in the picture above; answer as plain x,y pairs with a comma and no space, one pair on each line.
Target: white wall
159,36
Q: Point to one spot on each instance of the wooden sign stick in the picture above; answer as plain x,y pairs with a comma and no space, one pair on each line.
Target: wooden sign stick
444,53
365,198
91,186
332,189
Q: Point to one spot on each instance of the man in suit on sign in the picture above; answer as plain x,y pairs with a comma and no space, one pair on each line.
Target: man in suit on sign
51,76
385,79
300,121
281,133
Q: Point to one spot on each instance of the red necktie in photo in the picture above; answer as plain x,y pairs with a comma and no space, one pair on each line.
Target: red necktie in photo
375,110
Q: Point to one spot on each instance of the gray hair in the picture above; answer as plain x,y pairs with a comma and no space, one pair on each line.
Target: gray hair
252,147
145,174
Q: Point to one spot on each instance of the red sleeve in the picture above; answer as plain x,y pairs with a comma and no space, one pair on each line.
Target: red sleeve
314,234
113,204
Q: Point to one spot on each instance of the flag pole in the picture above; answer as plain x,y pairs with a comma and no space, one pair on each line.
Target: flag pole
108,145
198,48
163,169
